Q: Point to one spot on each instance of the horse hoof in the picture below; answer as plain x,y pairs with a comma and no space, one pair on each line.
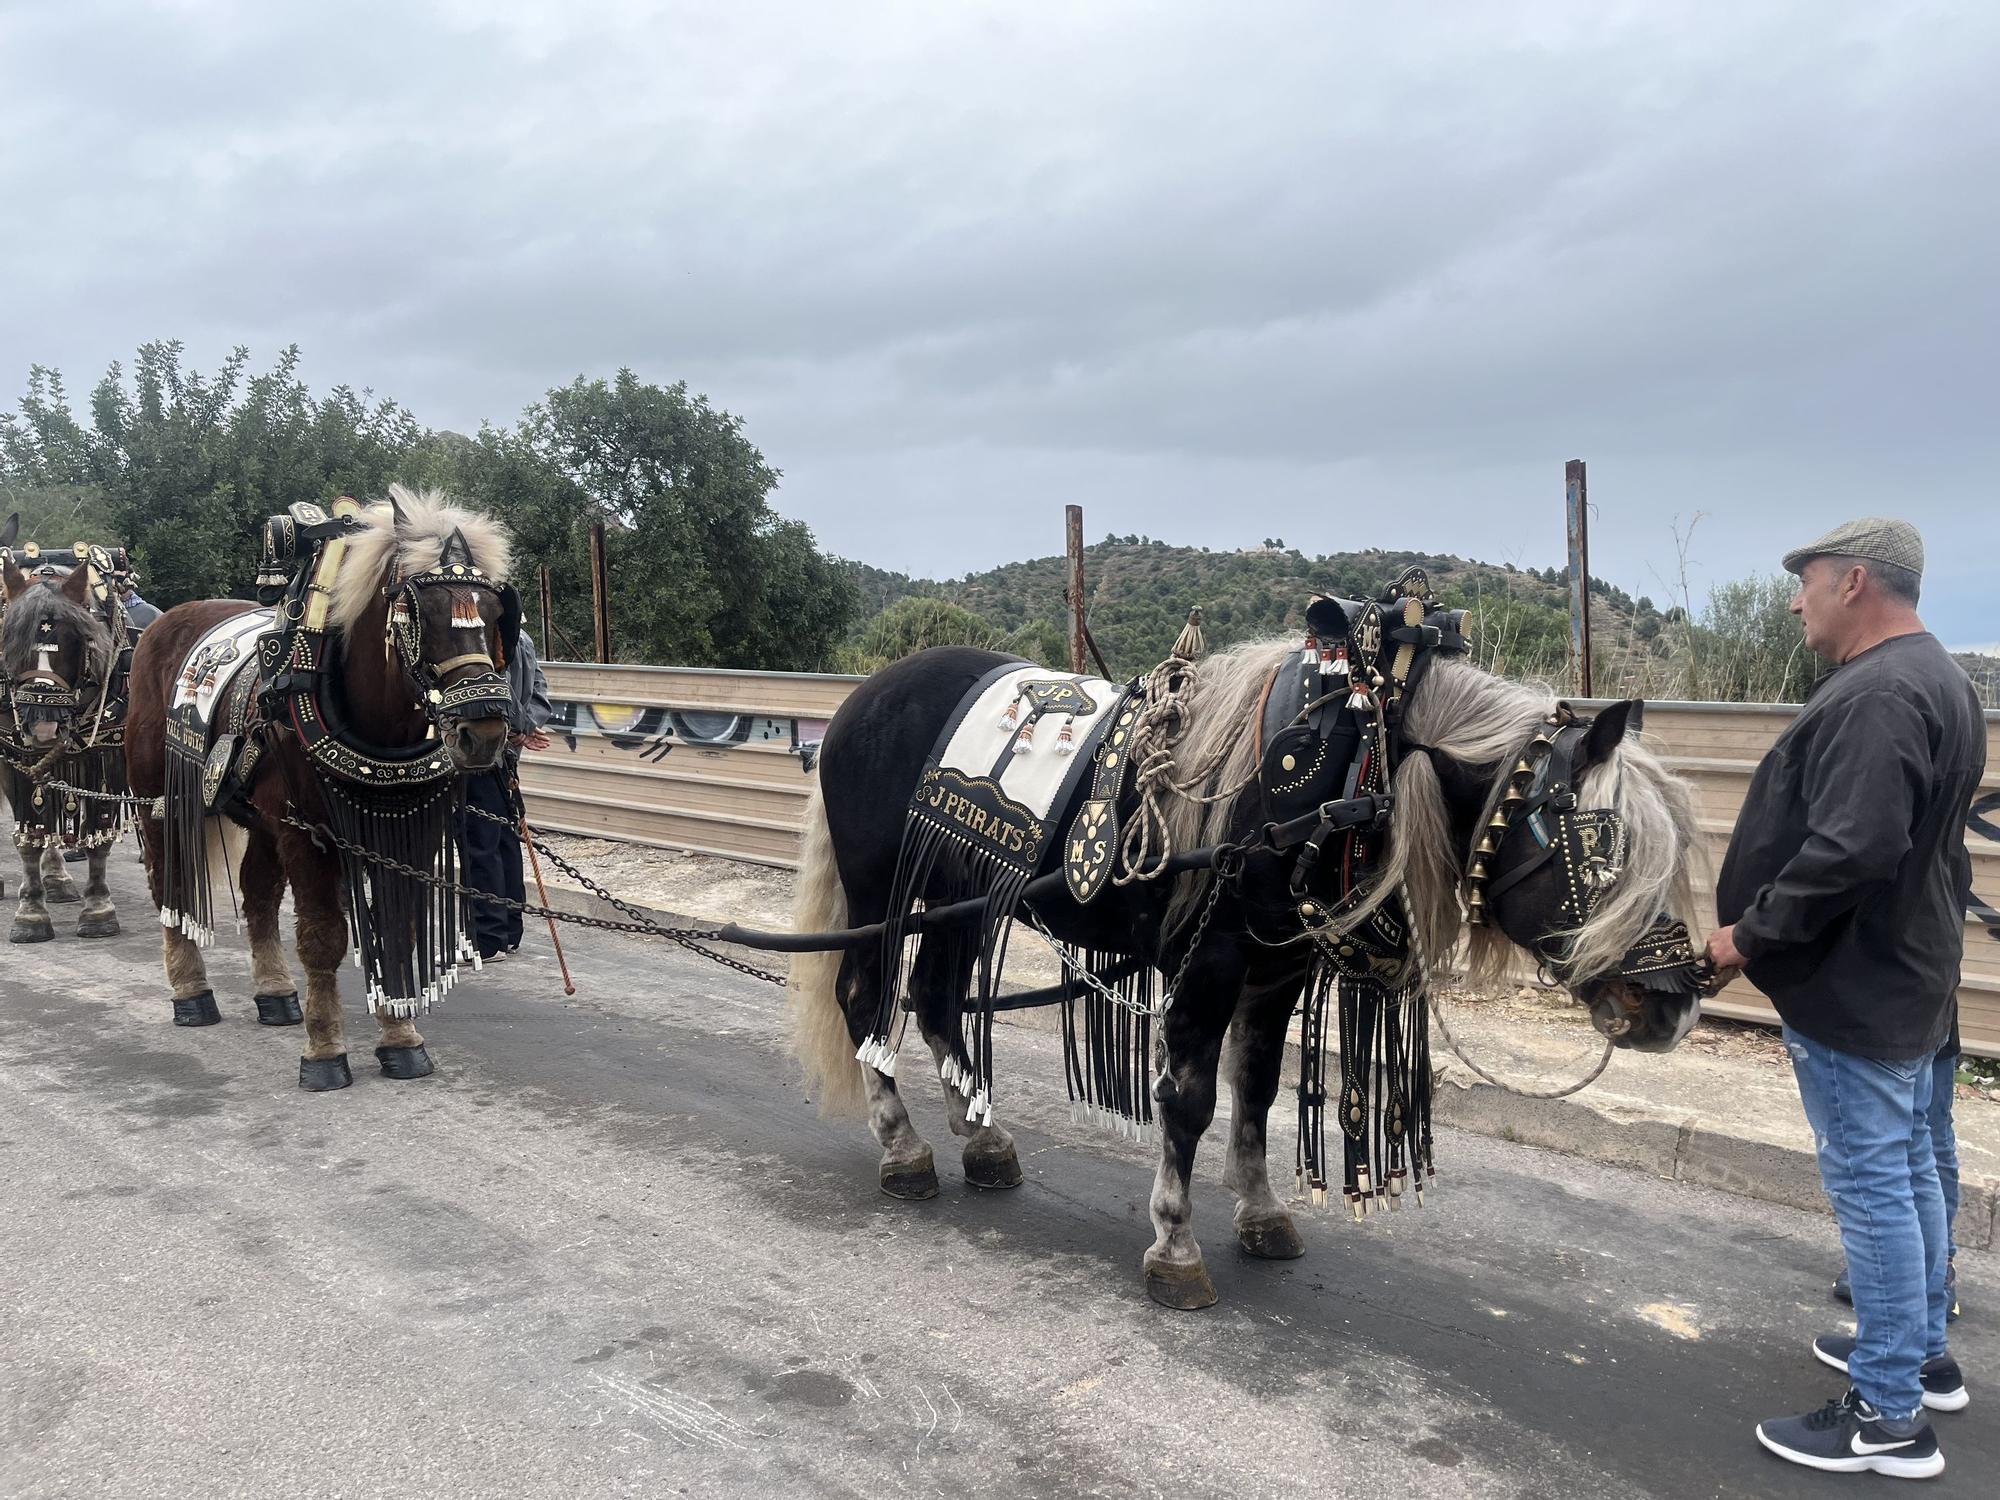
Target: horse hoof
1275,1239
404,1062
1002,1170
61,894
319,1074
279,1010
102,924
1183,1288
197,1010
32,930
914,1180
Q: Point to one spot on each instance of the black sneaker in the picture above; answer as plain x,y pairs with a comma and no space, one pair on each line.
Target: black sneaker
1944,1386
1848,1436
1843,1290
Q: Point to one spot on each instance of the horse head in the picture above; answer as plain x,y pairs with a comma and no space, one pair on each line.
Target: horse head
55,651
453,623
1579,857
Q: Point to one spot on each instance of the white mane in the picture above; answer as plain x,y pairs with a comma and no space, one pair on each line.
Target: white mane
1483,722
428,519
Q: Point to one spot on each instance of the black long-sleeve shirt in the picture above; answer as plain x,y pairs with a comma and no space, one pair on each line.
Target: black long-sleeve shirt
1847,875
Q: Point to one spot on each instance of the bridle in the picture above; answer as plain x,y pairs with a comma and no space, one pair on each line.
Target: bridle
486,692
45,693
1538,822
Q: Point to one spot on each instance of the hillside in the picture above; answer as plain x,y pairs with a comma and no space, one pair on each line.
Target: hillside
1140,591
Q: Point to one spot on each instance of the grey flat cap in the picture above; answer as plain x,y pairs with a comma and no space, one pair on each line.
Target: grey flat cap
1873,537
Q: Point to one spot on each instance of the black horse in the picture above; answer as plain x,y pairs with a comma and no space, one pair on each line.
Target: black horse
1467,731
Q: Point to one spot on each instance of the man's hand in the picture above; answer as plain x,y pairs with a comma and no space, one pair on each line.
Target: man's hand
535,739
1722,951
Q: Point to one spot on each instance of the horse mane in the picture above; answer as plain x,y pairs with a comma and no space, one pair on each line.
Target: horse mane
1482,722
25,614
413,545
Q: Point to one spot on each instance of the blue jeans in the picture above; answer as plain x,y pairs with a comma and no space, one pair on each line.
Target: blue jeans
1871,1123
1944,1140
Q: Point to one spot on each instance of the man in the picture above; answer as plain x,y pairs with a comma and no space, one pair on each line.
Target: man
138,613
1843,897
493,850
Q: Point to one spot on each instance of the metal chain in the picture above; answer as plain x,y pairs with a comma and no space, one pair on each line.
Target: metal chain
690,938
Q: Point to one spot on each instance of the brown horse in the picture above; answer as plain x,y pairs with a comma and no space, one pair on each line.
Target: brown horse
383,696
59,655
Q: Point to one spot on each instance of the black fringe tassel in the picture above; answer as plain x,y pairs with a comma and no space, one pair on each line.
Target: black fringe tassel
409,936
1108,1046
184,895
1383,1110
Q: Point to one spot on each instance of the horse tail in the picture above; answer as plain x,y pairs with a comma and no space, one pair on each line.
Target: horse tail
814,1016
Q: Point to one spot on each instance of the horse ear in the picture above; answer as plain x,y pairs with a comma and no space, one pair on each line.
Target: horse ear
1608,729
16,582
76,587
396,505
11,530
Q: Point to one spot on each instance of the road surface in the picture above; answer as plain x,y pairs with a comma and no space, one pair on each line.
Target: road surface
609,1250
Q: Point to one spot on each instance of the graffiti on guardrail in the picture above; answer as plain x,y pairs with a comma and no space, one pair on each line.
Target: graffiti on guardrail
1979,823
654,733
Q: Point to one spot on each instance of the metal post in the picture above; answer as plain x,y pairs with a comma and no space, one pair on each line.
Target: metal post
1073,528
600,592
548,612
1576,494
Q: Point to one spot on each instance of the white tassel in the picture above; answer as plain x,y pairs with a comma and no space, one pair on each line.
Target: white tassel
1066,737
1026,741
1012,717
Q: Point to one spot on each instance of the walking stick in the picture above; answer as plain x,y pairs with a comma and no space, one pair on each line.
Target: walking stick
569,985
535,861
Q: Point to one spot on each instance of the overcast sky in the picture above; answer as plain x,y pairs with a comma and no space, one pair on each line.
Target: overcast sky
1349,274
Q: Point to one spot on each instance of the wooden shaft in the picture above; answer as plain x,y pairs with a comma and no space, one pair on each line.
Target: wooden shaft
1073,536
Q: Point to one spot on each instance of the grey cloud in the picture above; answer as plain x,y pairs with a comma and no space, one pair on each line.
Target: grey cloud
1346,273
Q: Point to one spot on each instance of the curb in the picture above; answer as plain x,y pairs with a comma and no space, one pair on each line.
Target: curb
1680,1148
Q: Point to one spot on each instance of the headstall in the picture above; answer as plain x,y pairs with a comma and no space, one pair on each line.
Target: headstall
483,694
1538,822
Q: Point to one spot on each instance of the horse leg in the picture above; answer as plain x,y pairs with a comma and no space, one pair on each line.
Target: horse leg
56,884
908,1169
990,1161
187,974
938,984
100,916
262,880
1195,1023
1255,1057
322,942
31,913
401,1050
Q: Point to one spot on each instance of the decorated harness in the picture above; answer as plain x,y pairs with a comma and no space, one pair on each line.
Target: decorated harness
89,752
395,801
1308,873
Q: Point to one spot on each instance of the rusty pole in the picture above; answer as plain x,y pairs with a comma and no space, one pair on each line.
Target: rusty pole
1073,532
1576,496
600,592
548,612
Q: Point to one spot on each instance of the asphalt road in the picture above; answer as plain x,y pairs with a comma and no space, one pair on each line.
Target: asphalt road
609,1250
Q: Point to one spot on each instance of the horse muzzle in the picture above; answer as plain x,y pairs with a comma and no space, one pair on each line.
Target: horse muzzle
1636,1017
475,744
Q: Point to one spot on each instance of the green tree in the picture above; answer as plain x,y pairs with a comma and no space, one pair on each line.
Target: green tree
703,571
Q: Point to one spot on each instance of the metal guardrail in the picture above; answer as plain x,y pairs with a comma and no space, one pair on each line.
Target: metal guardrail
711,762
